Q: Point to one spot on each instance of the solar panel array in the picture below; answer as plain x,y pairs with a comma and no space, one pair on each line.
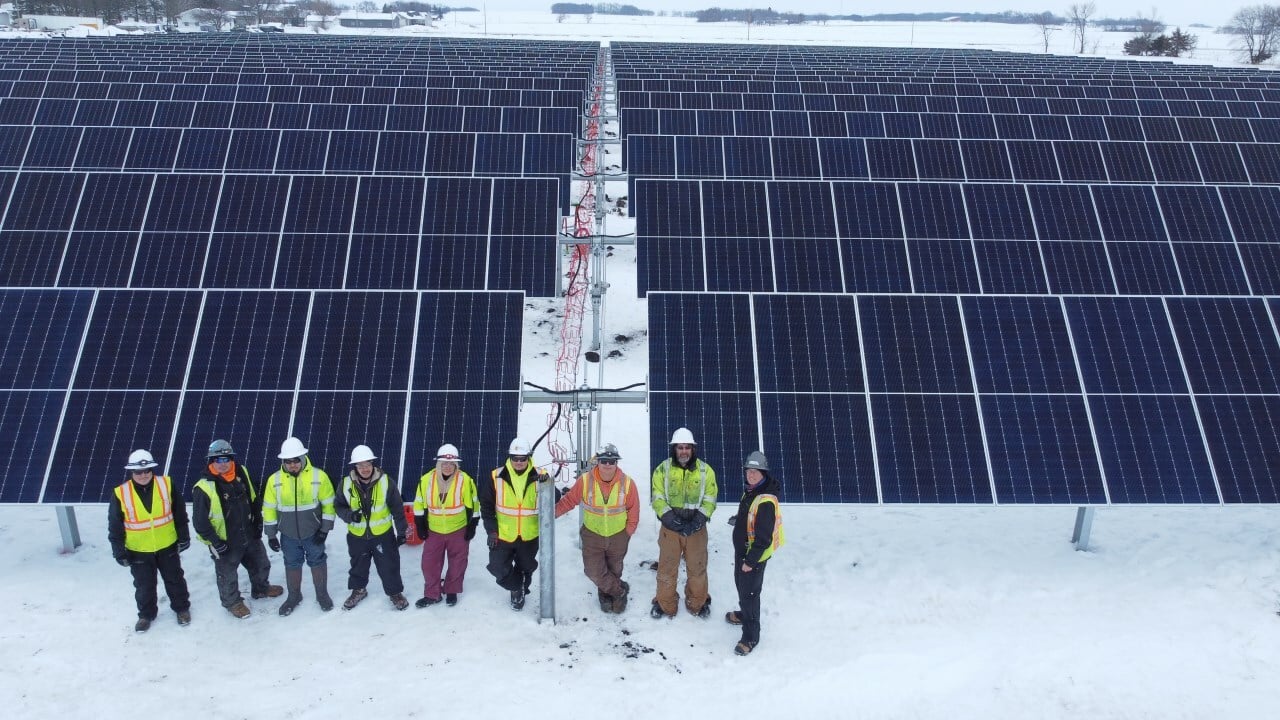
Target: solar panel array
961,277
248,237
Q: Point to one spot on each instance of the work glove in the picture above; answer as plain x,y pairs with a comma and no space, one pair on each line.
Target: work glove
671,522
733,520
183,545
400,540
493,541
471,529
218,547
356,517
273,542
420,524
122,560
561,492
319,537
696,523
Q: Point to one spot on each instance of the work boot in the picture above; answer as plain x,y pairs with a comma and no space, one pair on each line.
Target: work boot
184,617
620,601
320,576
451,599
240,610
656,612
704,612
517,599
733,618
292,578
606,601
143,625
426,602
354,598
399,601
270,592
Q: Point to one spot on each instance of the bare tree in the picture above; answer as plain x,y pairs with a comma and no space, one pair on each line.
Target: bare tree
1257,31
367,6
174,8
1047,24
1078,16
1150,24
217,16
326,10
262,9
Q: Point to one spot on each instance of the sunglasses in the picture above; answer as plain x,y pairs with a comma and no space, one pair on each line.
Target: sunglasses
519,458
293,461
608,462
148,471
221,460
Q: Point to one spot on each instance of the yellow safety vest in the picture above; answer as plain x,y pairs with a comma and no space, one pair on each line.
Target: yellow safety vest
377,520
450,513
216,518
604,516
779,537
148,530
517,515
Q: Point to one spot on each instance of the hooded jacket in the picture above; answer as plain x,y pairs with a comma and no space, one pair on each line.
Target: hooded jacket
765,520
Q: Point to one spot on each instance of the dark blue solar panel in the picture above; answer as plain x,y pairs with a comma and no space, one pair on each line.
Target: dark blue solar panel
739,265
668,209
253,150
1020,345
1064,212
843,158
43,201
1244,441
481,425
203,149
1009,266
788,325
31,258
699,156
1144,268
1228,345
497,316
735,209
51,147
1125,345
890,159
929,449
403,153
1220,163
256,320
795,157
113,202
999,212
806,265
241,260
670,264
1211,269
820,445
98,259
1193,214
42,335
389,205
801,210
1151,449
1262,266
356,341
311,261
97,436
153,149
722,324
933,210
525,206
651,156
726,426
1032,161
160,323
28,420
255,423
1041,450
352,151
747,157
1129,212
938,160
986,160
914,344
103,148
1173,162
867,210
943,266
306,151
252,203
1254,212
872,265
330,424
1080,161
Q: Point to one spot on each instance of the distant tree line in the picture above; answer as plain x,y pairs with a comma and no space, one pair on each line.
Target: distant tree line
597,9
419,7
112,11
768,16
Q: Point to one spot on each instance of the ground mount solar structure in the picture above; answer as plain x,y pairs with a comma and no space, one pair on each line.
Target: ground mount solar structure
937,276
248,237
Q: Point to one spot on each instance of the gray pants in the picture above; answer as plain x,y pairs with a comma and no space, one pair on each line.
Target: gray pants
254,559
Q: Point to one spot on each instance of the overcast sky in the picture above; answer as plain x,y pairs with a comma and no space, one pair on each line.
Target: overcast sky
1174,12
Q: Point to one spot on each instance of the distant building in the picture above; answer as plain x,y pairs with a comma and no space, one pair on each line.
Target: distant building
60,22
385,21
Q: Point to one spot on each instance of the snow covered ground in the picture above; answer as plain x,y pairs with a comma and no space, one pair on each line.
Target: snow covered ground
869,612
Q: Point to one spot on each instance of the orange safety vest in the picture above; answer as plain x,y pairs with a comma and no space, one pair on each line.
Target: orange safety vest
604,516
148,530
517,515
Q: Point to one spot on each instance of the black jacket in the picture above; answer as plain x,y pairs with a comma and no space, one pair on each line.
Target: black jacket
764,522
242,515
115,518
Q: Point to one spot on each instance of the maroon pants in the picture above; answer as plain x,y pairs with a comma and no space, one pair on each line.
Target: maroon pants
435,549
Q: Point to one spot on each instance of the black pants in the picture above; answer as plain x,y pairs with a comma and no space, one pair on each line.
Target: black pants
385,555
144,567
513,563
750,585
253,557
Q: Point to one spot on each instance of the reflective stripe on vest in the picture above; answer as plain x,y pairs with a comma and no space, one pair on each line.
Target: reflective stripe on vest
517,516
702,484
148,530
377,520
779,537
297,506
450,513
605,516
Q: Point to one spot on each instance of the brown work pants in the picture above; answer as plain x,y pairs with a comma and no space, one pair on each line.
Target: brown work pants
693,548
602,559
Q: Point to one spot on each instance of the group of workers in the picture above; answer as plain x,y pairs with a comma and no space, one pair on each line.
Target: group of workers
296,506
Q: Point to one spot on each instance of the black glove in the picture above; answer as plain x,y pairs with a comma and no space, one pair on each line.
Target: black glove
561,492
671,522
420,524
733,519
471,529
493,541
696,522
273,542
183,545
400,540
319,537
219,548
356,517
122,560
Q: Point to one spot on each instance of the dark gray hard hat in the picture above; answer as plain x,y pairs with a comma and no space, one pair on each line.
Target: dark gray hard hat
219,448
756,461
608,452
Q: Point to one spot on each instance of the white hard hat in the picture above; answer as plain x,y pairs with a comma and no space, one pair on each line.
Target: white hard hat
362,453
682,436
448,453
140,460
518,447
292,448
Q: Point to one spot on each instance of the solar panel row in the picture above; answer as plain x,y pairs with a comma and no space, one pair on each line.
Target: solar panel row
94,372
976,399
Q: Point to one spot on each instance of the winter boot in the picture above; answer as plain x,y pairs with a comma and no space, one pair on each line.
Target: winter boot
606,601
620,601
269,591
517,599
705,611
425,601
292,578
240,610
184,617
143,625
399,601
733,618
320,576
451,599
354,598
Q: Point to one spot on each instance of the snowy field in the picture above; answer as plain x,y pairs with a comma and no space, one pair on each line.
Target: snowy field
869,612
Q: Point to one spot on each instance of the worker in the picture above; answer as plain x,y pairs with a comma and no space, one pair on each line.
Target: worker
683,490
509,509
446,511
147,531
297,504
371,507
610,516
757,533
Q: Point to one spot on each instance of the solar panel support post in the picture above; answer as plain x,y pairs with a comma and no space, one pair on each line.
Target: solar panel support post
547,549
68,527
1084,523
